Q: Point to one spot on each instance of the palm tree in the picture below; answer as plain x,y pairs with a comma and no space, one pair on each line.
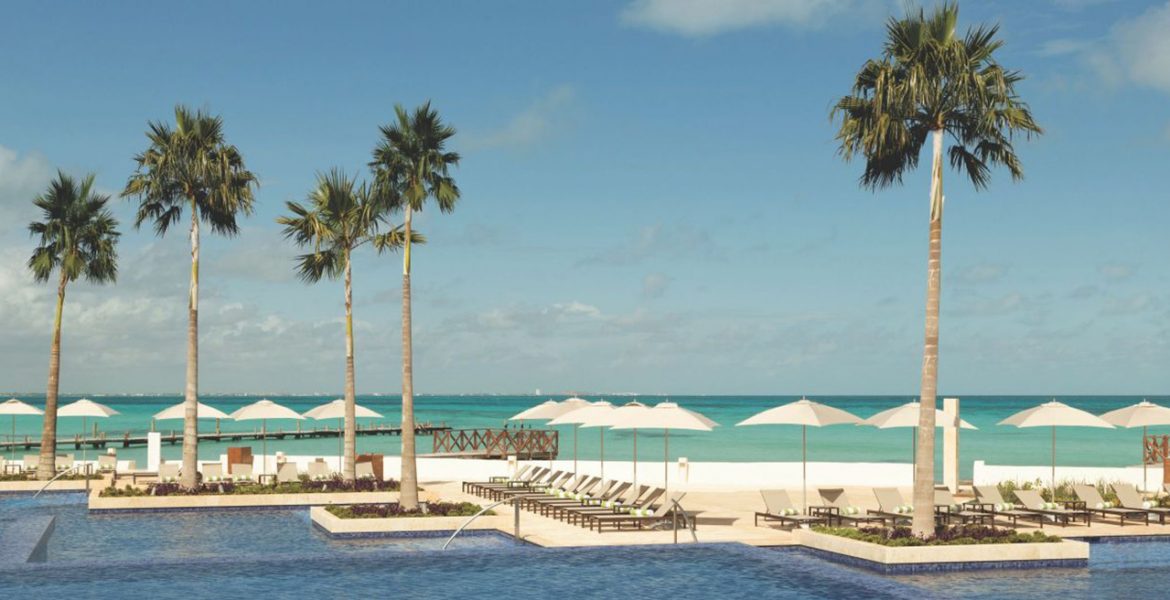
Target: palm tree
412,160
190,166
341,216
78,237
932,83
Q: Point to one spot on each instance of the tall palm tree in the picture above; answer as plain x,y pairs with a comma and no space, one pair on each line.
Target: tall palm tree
190,165
932,83
340,217
78,237
412,159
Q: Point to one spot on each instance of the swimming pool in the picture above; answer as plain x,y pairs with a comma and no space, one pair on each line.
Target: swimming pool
279,554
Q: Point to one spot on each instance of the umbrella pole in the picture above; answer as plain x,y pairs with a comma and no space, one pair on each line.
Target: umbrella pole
575,448
264,447
635,461
12,448
84,426
1054,463
666,463
1145,483
804,467
602,429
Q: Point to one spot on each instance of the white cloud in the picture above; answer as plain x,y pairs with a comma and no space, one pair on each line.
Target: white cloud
654,285
21,179
710,17
1136,51
673,242
535,123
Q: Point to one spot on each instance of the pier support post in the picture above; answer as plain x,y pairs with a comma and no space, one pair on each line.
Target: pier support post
951,446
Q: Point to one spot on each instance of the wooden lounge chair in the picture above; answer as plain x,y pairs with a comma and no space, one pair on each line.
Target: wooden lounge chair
950,510
539,502
362,470
651,511
835,505
606,492
1129,497
319,471
521,476
989,500
107,463
242,473
576,515
213,473
287,472
543,478
1034,503
30,462
168,473
891,506
778,507
1092,501
579,484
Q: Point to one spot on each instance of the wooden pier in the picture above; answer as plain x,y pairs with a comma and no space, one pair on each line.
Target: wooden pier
525,444
129,439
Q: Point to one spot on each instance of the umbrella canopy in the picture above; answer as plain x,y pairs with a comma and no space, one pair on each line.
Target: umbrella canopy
1055,414
85,408
336,410
549,409
806,413
15,407
263,410
664,416
595,414
1142,414
906,415
179,411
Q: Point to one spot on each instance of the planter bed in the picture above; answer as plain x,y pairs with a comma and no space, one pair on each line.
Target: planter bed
336,526
892,560
234,501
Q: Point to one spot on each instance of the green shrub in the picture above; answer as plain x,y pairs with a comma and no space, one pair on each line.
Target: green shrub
963,535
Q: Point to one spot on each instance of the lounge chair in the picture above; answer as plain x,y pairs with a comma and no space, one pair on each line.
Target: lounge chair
778,507
891,506
319,471
1034,503
362,470
242,473
31,462
64,462
584,485
540,478
574,515
946,506
107,463
213,473
612,495
649,512
1128,497
168,473
1091,499
555,480
835,505
989,500
287,472
521,476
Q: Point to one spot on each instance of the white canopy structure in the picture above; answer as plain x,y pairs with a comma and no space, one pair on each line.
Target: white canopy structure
1143,414
806,413
595,414
664,416
336,410
1055,414
262,410
16,408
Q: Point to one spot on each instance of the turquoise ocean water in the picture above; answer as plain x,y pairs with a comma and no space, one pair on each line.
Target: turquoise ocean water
992,443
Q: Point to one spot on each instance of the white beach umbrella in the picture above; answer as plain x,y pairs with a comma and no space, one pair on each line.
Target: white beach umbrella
906,415
179,411
664,416
595,414
263,410
1143,414
806,413
16,408
551,409
1055,414
85,408
336,410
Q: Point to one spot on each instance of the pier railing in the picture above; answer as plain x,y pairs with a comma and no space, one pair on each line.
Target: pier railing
525,444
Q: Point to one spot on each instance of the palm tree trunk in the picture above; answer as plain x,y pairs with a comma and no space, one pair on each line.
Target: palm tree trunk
350,471
408,497
923,524
191,398
48,463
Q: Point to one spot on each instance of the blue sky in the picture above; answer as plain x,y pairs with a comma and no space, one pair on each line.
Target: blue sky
652,200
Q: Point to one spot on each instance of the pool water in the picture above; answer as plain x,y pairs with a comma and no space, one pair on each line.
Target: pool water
279,554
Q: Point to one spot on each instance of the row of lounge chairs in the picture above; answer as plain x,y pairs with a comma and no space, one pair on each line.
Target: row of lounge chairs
581,500
988,506
244,473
